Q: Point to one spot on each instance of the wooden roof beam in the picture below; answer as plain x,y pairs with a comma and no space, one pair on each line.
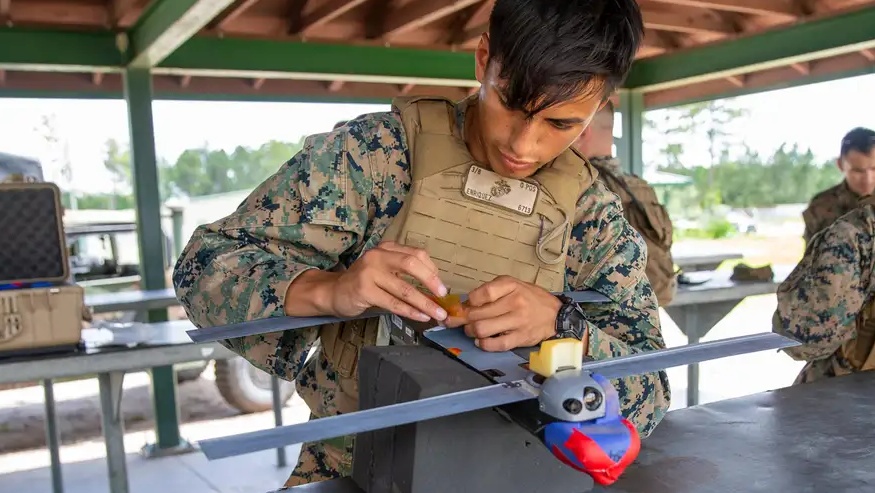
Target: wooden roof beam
238,7
122,12
168,25
5,7
481,15
421,13
332,9
689,23
803,68
773,8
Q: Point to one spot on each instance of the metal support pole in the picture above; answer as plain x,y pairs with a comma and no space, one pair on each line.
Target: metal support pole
629,144
113,430
53,436
278,417
138,94
176,218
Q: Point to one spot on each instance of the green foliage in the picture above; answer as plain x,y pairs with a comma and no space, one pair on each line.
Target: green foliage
196,172
736,176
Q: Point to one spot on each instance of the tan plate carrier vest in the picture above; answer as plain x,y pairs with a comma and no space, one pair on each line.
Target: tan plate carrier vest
860,351
474,224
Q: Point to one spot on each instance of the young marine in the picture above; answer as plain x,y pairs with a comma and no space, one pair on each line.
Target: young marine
482,196
828,302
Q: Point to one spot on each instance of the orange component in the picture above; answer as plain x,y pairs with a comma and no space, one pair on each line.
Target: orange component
452,303
455,351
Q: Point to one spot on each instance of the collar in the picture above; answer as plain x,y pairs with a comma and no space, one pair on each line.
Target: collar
847,189
460,109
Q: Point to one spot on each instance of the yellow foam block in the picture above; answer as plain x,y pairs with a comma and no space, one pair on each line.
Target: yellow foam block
555,354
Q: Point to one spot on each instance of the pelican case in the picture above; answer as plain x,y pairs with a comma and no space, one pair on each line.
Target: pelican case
38,320
33,247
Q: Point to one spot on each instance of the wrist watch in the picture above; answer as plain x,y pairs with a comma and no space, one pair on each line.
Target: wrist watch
570,321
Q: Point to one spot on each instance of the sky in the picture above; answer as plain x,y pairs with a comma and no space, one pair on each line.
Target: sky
814,116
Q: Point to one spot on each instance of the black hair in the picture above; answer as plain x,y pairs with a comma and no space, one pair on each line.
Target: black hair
859,139
550,50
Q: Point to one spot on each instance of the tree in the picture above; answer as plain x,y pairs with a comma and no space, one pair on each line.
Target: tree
59,169
117,160
706,121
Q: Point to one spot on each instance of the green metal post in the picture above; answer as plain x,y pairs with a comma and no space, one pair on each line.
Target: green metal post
138,94
629,145
176,218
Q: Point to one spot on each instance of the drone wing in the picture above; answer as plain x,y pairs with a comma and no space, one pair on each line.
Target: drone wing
480,398
369,419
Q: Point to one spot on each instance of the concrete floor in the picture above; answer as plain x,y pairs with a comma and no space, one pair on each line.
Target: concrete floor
85,469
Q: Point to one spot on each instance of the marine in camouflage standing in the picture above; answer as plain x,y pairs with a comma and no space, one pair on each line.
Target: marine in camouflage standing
857,163
481,196
640,204
828,301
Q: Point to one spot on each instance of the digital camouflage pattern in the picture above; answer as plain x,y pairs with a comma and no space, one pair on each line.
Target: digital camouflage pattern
330,203
821,303
642,209
826,207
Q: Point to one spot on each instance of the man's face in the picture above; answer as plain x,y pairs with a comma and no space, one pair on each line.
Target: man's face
517,146
859,171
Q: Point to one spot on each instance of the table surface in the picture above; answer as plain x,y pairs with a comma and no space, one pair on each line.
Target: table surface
719,287
812,438
131,300
689,261
125,347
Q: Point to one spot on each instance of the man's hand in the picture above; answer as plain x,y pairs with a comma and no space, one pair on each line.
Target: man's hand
373,281
507,313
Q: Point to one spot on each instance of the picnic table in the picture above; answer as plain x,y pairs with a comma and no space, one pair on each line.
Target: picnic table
700,262
109,354
696,309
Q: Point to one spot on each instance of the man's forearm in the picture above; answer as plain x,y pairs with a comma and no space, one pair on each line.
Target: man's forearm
311,294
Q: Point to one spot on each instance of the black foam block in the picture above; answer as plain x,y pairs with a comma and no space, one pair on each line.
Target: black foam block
476,452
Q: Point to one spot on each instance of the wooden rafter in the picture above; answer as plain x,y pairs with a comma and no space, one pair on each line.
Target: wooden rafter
5,9
414,15
122,12
689,22
332,9
234,11
784,9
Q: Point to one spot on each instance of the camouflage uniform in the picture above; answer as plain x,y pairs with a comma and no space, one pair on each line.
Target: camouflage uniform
826,302
826,207
650,218
330,203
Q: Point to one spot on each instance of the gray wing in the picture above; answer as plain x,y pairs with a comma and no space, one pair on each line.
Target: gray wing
645,362
367,420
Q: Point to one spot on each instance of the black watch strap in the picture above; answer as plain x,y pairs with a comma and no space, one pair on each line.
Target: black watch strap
570,321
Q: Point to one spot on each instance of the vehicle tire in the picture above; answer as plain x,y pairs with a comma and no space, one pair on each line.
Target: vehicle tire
188,373
246,388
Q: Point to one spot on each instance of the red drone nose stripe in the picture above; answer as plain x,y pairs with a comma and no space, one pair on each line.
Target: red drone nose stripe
589,456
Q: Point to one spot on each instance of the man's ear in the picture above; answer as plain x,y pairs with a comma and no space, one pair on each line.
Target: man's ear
481,58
